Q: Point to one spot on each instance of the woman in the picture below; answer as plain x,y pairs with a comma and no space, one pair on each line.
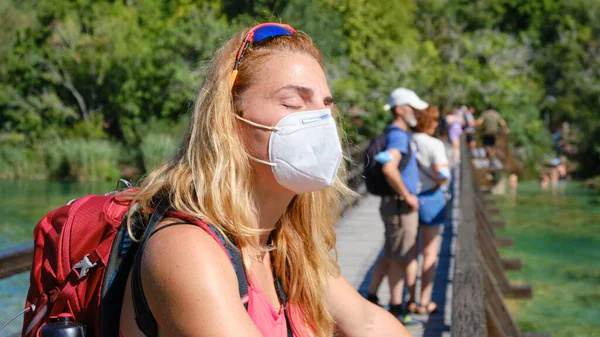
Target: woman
455,122
433,173
260,164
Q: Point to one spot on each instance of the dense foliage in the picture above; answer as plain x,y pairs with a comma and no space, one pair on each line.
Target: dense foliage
94,73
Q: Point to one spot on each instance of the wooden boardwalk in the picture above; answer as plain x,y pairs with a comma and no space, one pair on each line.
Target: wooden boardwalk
359,244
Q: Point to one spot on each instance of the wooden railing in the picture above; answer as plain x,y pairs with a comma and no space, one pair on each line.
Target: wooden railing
480,284
354,176
16,260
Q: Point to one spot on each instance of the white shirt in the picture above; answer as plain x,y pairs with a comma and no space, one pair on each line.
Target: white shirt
430,151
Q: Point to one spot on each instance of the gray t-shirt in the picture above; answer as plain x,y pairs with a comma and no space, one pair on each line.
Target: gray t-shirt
430,151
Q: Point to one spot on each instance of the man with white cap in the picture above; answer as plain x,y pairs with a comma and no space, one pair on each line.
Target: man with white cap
399,211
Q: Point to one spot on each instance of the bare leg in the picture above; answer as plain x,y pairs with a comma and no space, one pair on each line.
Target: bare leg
456,149
431,243
396,273
379,271
411,275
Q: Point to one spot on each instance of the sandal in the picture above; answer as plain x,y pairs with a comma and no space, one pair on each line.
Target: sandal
411,306
428,308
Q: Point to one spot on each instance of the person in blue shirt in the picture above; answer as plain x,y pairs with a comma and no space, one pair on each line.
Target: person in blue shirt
399,211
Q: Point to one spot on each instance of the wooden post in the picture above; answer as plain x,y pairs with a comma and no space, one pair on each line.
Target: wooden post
489,202
511,263
493,211
16,260
497,224
504,241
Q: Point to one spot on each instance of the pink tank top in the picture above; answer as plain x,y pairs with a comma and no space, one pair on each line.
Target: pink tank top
270,322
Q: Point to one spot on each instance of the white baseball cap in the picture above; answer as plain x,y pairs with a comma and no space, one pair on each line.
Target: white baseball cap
403,96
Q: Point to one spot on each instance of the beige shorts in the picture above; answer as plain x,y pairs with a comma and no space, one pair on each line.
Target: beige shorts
401,228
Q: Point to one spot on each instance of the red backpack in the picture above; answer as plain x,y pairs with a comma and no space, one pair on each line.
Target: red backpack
82,258
73,245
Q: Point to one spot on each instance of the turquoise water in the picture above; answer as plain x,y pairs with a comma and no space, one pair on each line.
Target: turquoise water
557,236
22,205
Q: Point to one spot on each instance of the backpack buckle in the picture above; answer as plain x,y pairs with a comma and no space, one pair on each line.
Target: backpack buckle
85,265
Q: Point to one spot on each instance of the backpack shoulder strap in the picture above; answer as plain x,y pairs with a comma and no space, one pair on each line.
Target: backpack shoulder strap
143,316
283,298
238,265
406,157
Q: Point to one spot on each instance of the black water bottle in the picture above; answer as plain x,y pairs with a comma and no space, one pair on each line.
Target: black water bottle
63,327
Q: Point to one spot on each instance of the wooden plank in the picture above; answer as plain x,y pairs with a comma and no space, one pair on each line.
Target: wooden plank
491,257
493,211
511,263
504,241
16,260
518,291
483,212
497,307
493,262
493,323
489,202
491,225
497,224
468,311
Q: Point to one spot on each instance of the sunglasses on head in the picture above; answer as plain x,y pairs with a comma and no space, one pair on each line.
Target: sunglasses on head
257,34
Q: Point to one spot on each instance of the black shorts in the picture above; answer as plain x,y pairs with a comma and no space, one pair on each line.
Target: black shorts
489,140
470,137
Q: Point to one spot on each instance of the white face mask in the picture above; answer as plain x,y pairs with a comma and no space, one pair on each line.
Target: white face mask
411,120
304,150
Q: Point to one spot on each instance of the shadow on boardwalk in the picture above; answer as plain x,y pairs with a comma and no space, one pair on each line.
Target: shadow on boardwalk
360,242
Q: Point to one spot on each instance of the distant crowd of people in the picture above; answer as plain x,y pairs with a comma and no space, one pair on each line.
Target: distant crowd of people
415,163
490,124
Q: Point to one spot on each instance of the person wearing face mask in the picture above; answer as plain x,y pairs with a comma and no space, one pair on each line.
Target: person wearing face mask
399,211
258,178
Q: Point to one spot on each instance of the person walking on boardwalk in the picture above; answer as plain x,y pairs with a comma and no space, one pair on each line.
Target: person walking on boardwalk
399,211
469,129
260,167
455,121
434,172
490,122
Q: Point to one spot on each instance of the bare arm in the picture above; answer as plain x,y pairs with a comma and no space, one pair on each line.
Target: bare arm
357,317
191,287
440,162
504,125
471,121
478,122
393,177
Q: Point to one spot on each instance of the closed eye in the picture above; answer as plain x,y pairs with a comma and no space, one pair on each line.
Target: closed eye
292,107
329,101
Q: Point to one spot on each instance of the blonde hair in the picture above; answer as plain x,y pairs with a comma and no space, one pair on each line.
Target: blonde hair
211,179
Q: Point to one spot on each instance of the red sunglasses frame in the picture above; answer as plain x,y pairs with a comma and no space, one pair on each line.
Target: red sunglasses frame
250,39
